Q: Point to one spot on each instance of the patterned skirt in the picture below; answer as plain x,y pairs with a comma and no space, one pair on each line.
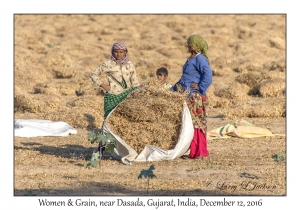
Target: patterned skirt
198,104
111,101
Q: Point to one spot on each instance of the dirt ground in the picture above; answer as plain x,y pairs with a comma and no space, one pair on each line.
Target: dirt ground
54,54
56,166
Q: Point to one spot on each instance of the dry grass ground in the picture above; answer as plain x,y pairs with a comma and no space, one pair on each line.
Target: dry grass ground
56,166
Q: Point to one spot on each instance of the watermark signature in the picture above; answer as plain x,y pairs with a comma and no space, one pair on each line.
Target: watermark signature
235,186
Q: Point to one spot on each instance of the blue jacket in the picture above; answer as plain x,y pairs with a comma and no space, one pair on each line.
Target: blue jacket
196,70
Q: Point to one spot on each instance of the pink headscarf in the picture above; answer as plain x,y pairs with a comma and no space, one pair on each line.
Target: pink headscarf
119,46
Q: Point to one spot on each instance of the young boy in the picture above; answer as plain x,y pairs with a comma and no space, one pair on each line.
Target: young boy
162,75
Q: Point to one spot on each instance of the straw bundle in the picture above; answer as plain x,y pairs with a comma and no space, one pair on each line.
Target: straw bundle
211,96
278,66
216,101
45,88
149,116
270,88
247,67
278,43
65,88
257,108
37,103
81,112
225,95
219,62
89,90
77,117
236,96
170,52
251,79
87,102
222,71
273,75
61,65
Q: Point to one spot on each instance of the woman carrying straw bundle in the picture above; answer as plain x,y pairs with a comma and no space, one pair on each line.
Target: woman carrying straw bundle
196,78
117,77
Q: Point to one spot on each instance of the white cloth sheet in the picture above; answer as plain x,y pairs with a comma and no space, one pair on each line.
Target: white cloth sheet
35,128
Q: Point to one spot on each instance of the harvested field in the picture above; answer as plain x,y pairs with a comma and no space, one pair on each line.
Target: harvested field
54,54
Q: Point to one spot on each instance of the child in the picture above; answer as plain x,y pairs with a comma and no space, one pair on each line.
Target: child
162,75
117,76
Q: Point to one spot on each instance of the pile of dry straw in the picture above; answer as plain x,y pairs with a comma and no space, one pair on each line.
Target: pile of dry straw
149,116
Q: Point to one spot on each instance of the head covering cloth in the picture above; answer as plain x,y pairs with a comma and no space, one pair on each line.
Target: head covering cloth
198,44
119,46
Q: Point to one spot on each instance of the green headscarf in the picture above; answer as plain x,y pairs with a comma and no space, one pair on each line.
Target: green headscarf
198,44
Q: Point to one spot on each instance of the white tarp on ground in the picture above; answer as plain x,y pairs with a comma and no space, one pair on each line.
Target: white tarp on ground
34,128
153,153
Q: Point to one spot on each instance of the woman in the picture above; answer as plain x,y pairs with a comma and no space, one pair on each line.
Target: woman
117,77
196,78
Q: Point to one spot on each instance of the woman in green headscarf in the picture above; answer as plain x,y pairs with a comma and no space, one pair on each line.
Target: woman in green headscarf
196,78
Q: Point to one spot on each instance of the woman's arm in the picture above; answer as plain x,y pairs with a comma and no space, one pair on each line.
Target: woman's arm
206,77
95,76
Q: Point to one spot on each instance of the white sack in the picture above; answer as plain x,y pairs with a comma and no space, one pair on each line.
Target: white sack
34,128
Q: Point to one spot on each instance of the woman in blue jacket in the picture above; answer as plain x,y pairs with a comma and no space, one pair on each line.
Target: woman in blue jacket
196,78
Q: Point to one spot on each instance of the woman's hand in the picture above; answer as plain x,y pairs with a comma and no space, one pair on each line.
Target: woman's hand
105,87
194,86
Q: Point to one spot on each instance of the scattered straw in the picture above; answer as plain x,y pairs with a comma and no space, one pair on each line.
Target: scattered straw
270,88
273,75
222,71
61,65
82,112
235,95
37,103
246,67
251,79
257,108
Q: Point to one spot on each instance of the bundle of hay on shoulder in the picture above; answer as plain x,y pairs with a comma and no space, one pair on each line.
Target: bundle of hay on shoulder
149,116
